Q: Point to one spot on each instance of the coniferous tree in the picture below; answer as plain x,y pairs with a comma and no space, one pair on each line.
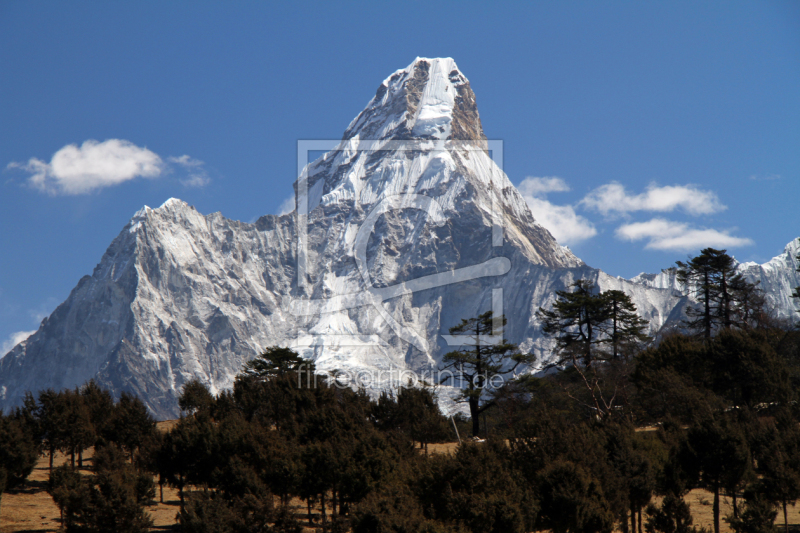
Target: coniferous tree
18,453
576,324
110,500
758,516
673,516
477,366
100,404
750,310
716,456
77,431
698,275
572,500
275,361
476,490
195,397
727,300
633,467
582,323
51,420
779,464
414,412
130,424
625,330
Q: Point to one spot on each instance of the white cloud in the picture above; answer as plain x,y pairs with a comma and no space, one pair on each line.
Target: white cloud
13,340
81,169
561,220
564,223
612,198
669,235
538,187
94,165
766,177
287,206
196,180
185,161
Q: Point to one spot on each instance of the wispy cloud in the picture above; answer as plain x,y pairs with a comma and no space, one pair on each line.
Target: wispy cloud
561,220
95,165
612,199
670,235
765,177
197,175
287,206
13,340
186,161
532,186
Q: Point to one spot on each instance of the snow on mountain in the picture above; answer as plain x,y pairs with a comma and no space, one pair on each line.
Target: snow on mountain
777,278
405,228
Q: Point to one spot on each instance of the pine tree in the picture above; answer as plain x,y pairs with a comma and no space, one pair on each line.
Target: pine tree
77,431
18,453
50,419
273,362
195,397
479,365
727,299
100,404
572,500
131,424
779,464
624,328
576,323
698,276
673,516
758,516
583,323
716,456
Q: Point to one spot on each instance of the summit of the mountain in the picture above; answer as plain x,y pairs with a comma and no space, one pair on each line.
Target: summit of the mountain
428,100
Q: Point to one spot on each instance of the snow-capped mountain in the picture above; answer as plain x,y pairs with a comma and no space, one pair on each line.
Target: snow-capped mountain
403,229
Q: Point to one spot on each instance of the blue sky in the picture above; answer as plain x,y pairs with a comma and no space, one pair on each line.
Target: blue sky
684,116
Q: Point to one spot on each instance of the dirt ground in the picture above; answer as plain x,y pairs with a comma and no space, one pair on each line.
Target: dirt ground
30,509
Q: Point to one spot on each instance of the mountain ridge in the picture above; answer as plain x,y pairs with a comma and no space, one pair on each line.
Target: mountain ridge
395,238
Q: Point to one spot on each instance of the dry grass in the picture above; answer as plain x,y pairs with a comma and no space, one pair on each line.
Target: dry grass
701,503
30,508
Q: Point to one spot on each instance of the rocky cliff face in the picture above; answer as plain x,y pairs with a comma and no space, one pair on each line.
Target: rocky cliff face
401,231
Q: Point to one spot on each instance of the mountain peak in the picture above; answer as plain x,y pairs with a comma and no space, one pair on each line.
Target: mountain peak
429,99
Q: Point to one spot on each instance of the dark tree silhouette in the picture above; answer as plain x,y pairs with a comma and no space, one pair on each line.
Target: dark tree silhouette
625,330
195,397
476,367
576,323
727,300
273,362
18,453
